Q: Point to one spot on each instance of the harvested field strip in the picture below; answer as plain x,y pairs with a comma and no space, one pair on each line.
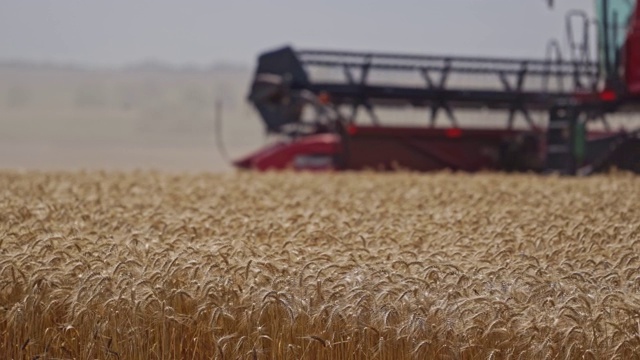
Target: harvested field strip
145,265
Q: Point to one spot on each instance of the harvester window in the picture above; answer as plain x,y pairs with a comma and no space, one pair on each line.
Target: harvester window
613,19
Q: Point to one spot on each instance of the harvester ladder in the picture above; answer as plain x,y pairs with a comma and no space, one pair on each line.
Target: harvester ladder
563,139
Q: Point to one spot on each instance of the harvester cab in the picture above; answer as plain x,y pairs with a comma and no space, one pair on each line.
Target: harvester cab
315,99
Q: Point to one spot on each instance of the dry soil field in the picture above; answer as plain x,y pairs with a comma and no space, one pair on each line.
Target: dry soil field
145,265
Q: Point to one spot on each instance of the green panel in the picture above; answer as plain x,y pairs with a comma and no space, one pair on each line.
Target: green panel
580,141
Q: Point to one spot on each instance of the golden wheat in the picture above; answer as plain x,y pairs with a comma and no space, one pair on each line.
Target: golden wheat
145,265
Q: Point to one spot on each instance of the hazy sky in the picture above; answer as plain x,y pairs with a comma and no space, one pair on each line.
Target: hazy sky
115,32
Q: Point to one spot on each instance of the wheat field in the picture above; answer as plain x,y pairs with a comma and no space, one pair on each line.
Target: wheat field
148,265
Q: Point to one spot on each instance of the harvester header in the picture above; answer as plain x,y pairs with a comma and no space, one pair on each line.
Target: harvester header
368,81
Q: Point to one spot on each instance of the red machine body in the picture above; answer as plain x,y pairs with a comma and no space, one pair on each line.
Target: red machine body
631,55
386,148
394,148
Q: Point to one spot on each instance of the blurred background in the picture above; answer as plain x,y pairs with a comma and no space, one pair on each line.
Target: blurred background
127,84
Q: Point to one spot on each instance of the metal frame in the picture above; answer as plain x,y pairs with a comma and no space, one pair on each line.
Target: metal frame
437,94
441,95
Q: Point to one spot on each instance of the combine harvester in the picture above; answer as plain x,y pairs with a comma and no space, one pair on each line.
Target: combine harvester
311,99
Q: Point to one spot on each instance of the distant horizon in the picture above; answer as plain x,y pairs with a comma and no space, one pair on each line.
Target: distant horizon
151,62
141,64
